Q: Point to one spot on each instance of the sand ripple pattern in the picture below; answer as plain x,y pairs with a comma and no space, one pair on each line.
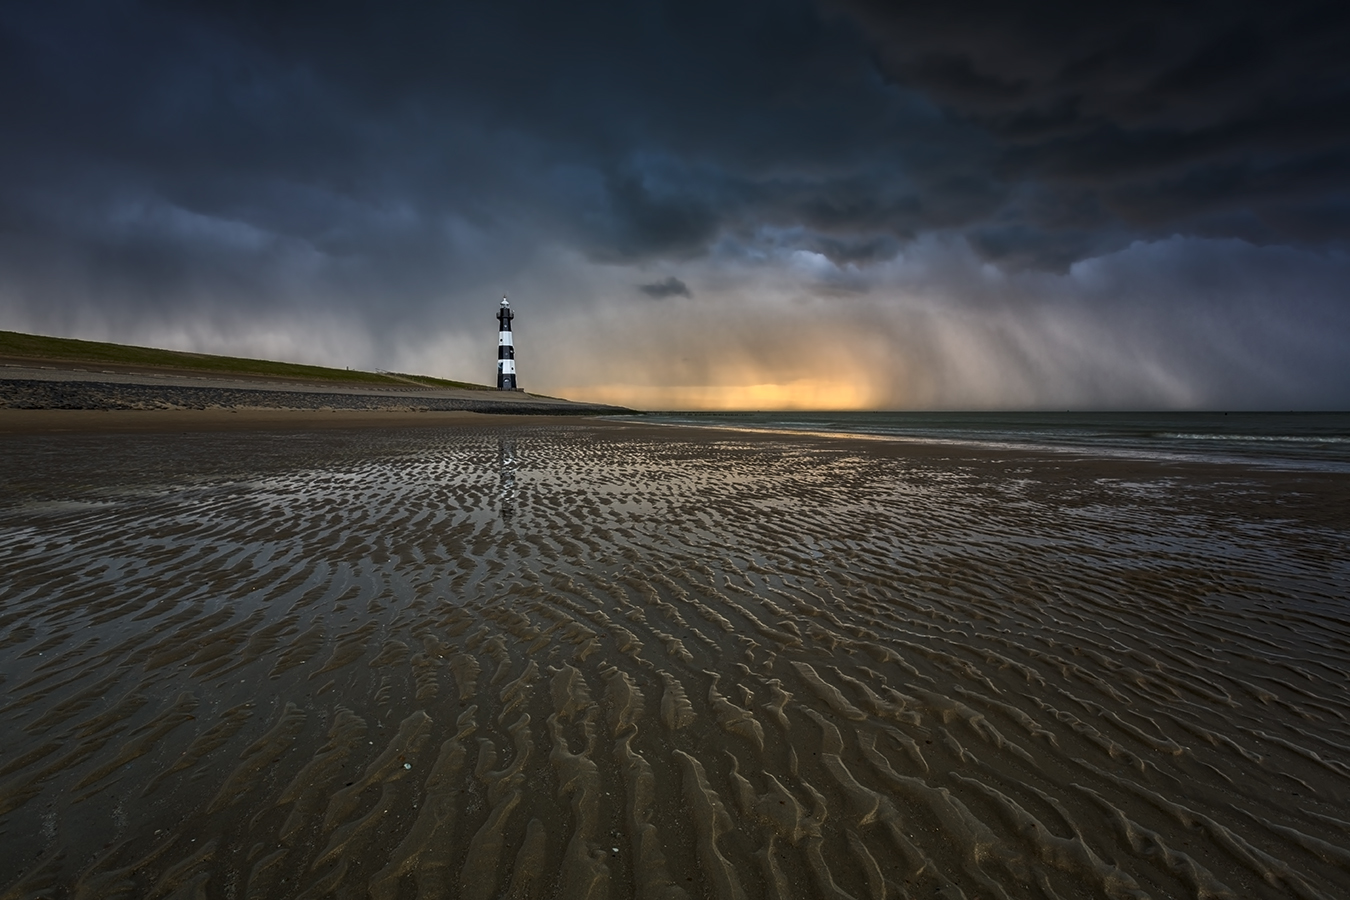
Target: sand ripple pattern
590,662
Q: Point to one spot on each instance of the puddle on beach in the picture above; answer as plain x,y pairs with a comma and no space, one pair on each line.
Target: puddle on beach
620,662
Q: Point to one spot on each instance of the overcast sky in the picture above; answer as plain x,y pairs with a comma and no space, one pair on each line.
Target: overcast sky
723,204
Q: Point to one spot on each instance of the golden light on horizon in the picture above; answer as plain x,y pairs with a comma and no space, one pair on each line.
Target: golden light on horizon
756,355
799,394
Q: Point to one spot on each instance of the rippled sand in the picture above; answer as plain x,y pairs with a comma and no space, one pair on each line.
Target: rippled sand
606,661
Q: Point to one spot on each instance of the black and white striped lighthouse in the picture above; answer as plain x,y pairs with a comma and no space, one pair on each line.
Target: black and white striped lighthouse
506,351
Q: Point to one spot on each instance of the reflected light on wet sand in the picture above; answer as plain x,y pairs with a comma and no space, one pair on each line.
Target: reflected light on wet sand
601,661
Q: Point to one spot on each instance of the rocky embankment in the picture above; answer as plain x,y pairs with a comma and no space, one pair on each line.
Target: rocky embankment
52,388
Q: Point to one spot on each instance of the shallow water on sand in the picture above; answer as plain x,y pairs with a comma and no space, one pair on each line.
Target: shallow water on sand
1307,440
621,662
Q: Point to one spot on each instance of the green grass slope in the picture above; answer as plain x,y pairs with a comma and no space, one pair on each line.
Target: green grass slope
46,350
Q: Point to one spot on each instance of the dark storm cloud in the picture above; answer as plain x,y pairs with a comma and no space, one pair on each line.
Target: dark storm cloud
392,161
668,287
1211,118
1047,131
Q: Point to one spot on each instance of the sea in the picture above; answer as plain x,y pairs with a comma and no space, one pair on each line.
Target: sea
1298,440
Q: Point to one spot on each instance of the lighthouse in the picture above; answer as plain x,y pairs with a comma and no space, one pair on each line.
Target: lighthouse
506,351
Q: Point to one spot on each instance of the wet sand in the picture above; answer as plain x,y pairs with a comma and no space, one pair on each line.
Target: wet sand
589,659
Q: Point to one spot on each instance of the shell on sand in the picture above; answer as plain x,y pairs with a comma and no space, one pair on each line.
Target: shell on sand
605,661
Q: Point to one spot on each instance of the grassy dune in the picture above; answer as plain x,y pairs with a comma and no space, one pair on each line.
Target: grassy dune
42,349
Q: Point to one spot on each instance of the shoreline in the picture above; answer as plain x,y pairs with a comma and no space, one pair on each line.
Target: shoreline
262,418
1312,492
1295,441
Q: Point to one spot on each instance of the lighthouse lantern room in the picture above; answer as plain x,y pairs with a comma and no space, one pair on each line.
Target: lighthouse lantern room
506,351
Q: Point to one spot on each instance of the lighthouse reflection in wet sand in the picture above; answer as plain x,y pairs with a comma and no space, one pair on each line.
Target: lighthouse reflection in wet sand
506,352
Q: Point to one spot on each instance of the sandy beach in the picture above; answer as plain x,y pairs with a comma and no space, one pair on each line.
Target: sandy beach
468,656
